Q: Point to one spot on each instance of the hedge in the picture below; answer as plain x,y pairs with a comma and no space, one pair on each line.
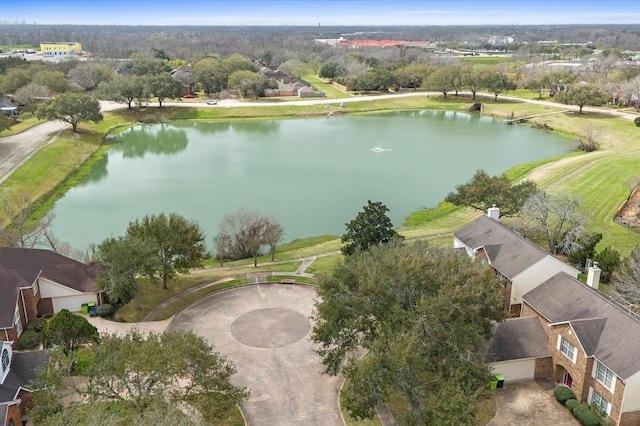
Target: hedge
37,325
563,394
571,404
637,121
585,416
29,340
105,310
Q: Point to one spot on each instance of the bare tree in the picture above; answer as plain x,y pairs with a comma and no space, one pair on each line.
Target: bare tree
272,235
626,278
23,230
556,217
223,244
589,138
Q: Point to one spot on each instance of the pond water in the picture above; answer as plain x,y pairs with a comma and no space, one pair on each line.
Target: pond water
313,175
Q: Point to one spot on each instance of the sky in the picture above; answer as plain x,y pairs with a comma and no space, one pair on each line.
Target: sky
320,12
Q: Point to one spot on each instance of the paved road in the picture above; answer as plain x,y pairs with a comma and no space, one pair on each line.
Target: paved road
264,330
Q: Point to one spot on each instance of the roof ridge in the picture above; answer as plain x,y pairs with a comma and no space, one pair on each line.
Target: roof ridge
521,237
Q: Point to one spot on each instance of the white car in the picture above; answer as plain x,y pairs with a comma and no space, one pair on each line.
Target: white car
212,102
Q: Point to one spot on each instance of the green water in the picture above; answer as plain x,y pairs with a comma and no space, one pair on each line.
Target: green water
313,175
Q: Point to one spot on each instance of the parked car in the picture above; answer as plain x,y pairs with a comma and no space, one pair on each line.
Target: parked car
188,96
212,102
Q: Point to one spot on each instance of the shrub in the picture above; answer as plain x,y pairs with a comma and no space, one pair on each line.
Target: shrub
105,310
29,340
637,121
571,404
585,416
563,394
37,325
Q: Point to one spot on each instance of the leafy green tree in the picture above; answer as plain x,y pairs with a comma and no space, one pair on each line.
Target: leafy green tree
14,79
498,82
473,78
210,75
132,380
124,260
179,242
371,227
246,81
68,331
608,260
440,80
4,122
53,80
484,191
72,108
142,65
163,86
125,89
421,314
331,70
584,249
583,95
237,62
626,278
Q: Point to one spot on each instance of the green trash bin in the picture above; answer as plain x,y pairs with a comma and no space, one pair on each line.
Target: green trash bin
500,379
85,308
493,384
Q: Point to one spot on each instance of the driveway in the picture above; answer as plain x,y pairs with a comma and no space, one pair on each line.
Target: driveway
530,403
264,330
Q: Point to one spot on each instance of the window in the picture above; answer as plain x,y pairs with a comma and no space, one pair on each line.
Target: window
18,323
35,287
605,376
5,360
599,402
503,279
567,348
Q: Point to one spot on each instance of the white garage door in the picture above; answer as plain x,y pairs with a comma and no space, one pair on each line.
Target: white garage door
72,303
515,370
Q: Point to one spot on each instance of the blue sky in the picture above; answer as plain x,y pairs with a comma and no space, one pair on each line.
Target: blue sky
323,12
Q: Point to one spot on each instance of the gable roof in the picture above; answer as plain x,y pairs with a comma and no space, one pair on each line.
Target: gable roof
518,338
20,267
604,328
24,368
509,252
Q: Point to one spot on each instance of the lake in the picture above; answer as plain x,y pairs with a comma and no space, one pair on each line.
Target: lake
312,174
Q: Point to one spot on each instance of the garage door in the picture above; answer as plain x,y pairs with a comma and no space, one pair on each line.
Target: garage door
72,303
515,370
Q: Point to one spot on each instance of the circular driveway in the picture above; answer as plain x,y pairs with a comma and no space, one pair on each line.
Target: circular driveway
264,330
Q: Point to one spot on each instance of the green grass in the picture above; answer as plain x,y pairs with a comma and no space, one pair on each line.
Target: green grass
176,307
296,278
325,265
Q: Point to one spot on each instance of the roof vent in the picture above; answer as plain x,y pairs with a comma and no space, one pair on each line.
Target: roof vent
493,212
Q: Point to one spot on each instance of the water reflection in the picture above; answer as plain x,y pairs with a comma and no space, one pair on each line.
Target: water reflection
163,139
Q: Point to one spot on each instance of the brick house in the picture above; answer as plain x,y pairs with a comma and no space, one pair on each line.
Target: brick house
17,370
183,75
34,283
520,263
594,344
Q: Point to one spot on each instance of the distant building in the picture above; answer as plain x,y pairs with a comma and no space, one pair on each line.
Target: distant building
49,49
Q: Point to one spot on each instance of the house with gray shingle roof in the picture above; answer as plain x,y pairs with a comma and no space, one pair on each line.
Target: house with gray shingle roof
35,283
520,263
594,344
17,371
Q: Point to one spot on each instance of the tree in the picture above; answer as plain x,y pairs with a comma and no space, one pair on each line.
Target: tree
5,123
498,82
582,249
142,65
135,377
179,243
23,230
72,108
210,75
223,244
237,62
14,79
164,86
608,260
68,331
89,75
331,70
246,81
272,235
371,227
421,314
31,94
484,191
125,89
626,278
583,95
556,216
473,78
55,81
123,261
440,80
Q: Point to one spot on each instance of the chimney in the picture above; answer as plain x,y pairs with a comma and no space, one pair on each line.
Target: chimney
593,276
493,212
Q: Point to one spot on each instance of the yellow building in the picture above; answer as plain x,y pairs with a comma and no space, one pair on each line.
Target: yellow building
60,48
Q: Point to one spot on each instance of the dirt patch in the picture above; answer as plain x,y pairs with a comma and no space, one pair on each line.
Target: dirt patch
628,213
